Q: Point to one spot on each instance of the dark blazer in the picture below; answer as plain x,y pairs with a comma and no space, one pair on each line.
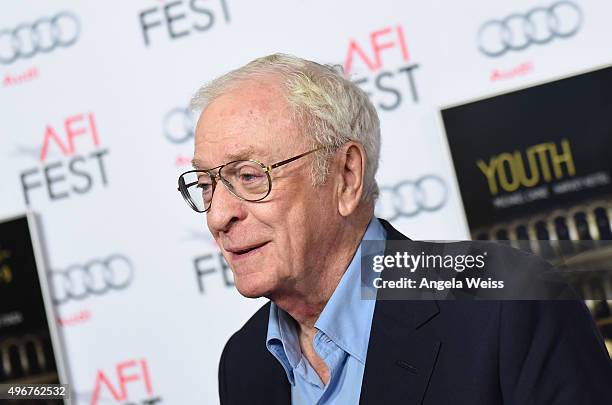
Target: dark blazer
447,352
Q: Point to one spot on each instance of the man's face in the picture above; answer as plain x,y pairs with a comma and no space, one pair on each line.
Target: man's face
275,245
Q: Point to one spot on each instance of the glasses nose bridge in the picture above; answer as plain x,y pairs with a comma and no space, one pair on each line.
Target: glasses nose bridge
216,177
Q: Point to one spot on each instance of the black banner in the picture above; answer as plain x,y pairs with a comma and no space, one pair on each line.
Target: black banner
522,155
26,350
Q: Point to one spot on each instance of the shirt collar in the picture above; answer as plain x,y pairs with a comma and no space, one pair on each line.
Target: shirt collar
282,340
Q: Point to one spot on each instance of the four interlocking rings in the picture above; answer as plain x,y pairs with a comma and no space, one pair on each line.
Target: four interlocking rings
409,198
179,125
42,36
539,25
95,277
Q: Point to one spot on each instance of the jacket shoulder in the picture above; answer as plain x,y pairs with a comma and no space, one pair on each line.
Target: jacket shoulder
392,233
256,327
248,372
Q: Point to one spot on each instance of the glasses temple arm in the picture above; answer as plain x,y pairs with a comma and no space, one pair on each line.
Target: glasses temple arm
284,162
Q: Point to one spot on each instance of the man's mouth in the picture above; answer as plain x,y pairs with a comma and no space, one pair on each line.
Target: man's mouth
246,251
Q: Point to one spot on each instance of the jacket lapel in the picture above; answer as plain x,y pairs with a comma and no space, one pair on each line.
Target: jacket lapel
400,360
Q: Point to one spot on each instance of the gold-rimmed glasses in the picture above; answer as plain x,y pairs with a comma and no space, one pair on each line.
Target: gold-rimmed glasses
248,180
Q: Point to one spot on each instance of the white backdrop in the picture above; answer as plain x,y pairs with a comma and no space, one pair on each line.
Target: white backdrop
93,135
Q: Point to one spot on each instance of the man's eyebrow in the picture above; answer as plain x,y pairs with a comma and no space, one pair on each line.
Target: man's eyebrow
241,154
197,164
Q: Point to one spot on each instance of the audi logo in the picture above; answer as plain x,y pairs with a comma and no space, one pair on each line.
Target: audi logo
179,125
95,277
22,356
538,26
409,198
42,36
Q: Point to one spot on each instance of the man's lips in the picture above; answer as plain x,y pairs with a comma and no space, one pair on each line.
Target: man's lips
245,251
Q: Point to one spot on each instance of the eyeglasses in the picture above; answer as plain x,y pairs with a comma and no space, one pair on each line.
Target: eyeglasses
249,180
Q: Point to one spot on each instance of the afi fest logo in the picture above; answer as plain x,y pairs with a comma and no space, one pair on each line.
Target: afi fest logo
78,172
388,87
211,269
212,264
129,380
179,19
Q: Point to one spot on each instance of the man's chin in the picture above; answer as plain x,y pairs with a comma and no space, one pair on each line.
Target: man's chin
251,288
250,293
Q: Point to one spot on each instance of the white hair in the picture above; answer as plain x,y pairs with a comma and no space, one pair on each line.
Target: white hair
331,109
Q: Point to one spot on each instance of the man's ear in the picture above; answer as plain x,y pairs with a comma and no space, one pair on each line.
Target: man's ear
351,172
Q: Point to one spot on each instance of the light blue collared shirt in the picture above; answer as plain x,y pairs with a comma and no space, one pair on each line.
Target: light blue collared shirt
341,340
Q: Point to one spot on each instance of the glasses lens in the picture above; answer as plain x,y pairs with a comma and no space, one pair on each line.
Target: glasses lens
246,179
197,189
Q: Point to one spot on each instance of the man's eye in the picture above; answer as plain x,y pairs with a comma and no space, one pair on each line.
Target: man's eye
249,177
204,186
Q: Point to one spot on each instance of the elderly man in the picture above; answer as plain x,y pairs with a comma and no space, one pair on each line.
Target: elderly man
286,153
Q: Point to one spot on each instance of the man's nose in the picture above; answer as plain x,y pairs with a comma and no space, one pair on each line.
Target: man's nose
225,209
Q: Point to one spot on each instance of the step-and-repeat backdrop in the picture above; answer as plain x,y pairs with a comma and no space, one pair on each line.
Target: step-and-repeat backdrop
94,130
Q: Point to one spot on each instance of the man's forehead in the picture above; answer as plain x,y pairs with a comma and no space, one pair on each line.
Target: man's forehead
248,122
248,97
